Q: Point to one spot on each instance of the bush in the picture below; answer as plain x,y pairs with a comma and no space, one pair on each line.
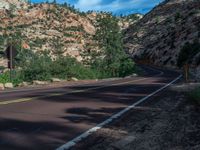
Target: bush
16,79
41,67
187,53
67,67
4,78
177,16
194,96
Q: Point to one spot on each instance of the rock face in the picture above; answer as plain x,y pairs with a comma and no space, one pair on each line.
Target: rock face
59,29
126,21
6,4
47,27
158,37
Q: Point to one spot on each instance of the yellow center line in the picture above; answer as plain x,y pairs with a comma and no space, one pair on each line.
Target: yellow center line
76,91
16,101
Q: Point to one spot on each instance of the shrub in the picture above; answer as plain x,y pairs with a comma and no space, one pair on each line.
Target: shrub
187,53
177,16
5,78
42,67
67,67
194,96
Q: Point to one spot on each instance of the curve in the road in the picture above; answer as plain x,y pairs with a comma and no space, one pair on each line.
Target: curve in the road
46,118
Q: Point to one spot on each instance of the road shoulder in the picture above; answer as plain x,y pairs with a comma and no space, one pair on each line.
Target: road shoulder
167,122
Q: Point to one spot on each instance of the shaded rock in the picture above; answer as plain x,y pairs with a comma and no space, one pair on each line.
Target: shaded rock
36,82
23,84
131,76
134,75
55,80
74,79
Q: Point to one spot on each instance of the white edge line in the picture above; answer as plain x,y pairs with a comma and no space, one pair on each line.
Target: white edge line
84,135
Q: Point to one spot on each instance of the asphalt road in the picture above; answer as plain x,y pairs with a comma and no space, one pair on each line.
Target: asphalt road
45,119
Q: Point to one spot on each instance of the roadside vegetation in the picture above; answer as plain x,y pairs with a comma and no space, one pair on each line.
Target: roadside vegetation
194,96
109,61
187,53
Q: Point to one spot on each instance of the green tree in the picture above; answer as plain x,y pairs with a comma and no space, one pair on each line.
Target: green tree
112,59
187,53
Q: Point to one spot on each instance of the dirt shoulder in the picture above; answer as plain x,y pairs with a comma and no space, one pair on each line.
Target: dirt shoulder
167,122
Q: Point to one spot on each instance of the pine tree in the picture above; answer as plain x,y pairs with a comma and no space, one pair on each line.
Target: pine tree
114,60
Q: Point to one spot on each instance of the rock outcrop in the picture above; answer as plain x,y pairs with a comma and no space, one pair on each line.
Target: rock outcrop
7,4
159,36
58,29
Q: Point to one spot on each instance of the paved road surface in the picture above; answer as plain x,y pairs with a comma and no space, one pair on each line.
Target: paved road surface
45,119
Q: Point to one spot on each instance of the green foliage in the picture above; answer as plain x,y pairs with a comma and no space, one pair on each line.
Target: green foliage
1,40
37,68
177,16
194,96
188,51
67,67
131,16
41,67
73,9
112,61
5,78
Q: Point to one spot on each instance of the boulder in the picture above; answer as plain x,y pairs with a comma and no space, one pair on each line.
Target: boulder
36,82
23,84
131,76
1,87
55,80
8,85
134,75
74,79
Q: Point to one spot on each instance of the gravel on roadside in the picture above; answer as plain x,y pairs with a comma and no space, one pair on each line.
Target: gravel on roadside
168,122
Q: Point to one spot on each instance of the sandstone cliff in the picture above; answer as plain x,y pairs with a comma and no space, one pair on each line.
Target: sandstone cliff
54,28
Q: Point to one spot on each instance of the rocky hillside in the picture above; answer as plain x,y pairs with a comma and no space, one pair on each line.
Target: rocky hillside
126,21
159,36
40,27
7,4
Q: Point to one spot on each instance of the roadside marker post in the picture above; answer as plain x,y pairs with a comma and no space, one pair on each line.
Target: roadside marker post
186,72
11,53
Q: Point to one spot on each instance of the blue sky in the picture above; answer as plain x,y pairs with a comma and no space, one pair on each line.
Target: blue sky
116,6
